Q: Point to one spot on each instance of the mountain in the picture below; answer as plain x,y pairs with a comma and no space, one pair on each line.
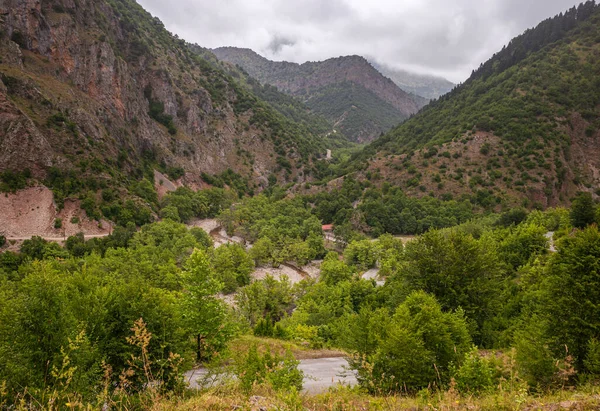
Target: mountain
348,91
524,128
98,94
429,87
291,107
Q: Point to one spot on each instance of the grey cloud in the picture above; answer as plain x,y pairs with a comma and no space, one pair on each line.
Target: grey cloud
278,42
429,36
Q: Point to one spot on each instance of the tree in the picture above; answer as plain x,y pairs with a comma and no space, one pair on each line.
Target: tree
267,297
583,210
421,344
572,294
205,315
362,254
233,266
334,271
458,270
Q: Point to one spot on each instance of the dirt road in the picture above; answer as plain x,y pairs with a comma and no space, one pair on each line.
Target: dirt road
56,239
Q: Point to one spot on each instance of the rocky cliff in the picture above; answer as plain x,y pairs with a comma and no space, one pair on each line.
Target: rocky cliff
101,88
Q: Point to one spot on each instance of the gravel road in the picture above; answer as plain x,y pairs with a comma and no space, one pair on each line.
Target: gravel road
319,374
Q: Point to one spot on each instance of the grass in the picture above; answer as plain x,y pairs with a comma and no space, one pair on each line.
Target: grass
242,344
342,399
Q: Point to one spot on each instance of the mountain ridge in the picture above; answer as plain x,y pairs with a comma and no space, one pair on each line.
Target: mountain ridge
312,79
427,86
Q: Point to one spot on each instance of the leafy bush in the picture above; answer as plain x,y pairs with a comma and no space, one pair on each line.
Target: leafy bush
421,344
476,374
14,180
281,373
583,210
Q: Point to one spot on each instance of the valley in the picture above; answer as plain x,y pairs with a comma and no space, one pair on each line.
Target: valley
192,227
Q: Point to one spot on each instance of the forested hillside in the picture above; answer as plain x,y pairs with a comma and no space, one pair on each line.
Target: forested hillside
348,91
525,126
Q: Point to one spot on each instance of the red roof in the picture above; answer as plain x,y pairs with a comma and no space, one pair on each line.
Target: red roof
327,227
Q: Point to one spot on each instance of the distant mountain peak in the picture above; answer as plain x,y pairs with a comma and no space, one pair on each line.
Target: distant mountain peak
332,87
424,85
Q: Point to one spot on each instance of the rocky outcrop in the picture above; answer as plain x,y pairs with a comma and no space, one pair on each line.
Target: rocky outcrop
78,79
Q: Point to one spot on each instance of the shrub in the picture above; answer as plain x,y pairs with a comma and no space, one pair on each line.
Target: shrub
476,374
583,211
58,223
282,373
2,241
422,342
592,359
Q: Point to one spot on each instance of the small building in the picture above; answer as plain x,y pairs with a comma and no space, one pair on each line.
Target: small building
328,228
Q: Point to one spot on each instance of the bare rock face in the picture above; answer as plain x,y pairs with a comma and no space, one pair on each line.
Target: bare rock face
79,80
22,145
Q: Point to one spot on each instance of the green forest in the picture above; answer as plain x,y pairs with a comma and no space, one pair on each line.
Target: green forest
476,304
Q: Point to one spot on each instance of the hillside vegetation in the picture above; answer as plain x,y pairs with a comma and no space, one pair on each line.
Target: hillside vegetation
526,125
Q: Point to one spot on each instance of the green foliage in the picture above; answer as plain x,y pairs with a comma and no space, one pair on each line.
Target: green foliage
281,373
460,271
512,217
362,254
184,204
12,181
233,266
334,271
145,190
58,223
534,357
583,210
592,358
263,298
38,249
421,344
571,294
281,230
476,374
205,315
2,241
518,245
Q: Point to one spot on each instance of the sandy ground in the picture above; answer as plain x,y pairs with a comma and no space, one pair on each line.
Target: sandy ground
207,225
32,212
163,185
262,272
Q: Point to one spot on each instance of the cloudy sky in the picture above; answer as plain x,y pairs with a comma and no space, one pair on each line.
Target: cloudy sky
438,37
